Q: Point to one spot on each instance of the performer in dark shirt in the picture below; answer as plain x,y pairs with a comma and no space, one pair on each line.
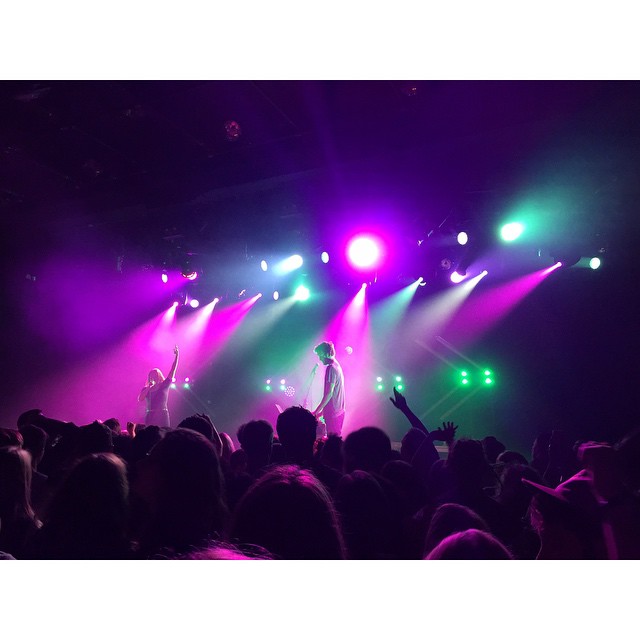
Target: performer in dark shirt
156,394
331,406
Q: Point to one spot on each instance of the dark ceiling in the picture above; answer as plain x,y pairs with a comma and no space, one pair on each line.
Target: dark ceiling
149,162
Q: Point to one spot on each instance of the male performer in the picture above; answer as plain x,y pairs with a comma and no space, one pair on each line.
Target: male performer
331,406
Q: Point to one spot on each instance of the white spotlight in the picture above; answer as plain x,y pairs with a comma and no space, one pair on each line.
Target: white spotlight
290,264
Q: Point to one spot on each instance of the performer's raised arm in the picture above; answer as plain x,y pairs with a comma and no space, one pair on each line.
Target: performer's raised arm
174,366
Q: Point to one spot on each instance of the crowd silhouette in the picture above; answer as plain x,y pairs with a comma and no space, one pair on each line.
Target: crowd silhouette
99,491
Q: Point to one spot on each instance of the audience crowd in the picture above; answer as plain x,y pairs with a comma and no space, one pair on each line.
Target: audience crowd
99,491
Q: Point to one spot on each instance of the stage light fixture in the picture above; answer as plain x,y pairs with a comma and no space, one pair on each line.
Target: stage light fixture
457,277
324,256
179,298
463,238
290,264
264,265
557,265
194,304
594,263
276,295
232,130
301,293
364,252
511,231
165,277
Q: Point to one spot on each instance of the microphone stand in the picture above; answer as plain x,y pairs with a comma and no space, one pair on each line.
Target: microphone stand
312,375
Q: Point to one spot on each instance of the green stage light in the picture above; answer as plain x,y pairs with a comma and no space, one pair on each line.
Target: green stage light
511,231
594,263
465,381
487,372
267,387
398,378
488,381
400,387
380,387
301,293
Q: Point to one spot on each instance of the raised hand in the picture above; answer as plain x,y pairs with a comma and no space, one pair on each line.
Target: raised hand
446,433
449,432
176,351
399,402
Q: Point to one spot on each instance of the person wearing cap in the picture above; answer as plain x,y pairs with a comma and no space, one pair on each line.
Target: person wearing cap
567,519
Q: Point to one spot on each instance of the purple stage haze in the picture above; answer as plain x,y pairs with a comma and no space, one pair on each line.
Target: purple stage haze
486,309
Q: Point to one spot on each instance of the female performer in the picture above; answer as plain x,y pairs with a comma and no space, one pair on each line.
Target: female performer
156,394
